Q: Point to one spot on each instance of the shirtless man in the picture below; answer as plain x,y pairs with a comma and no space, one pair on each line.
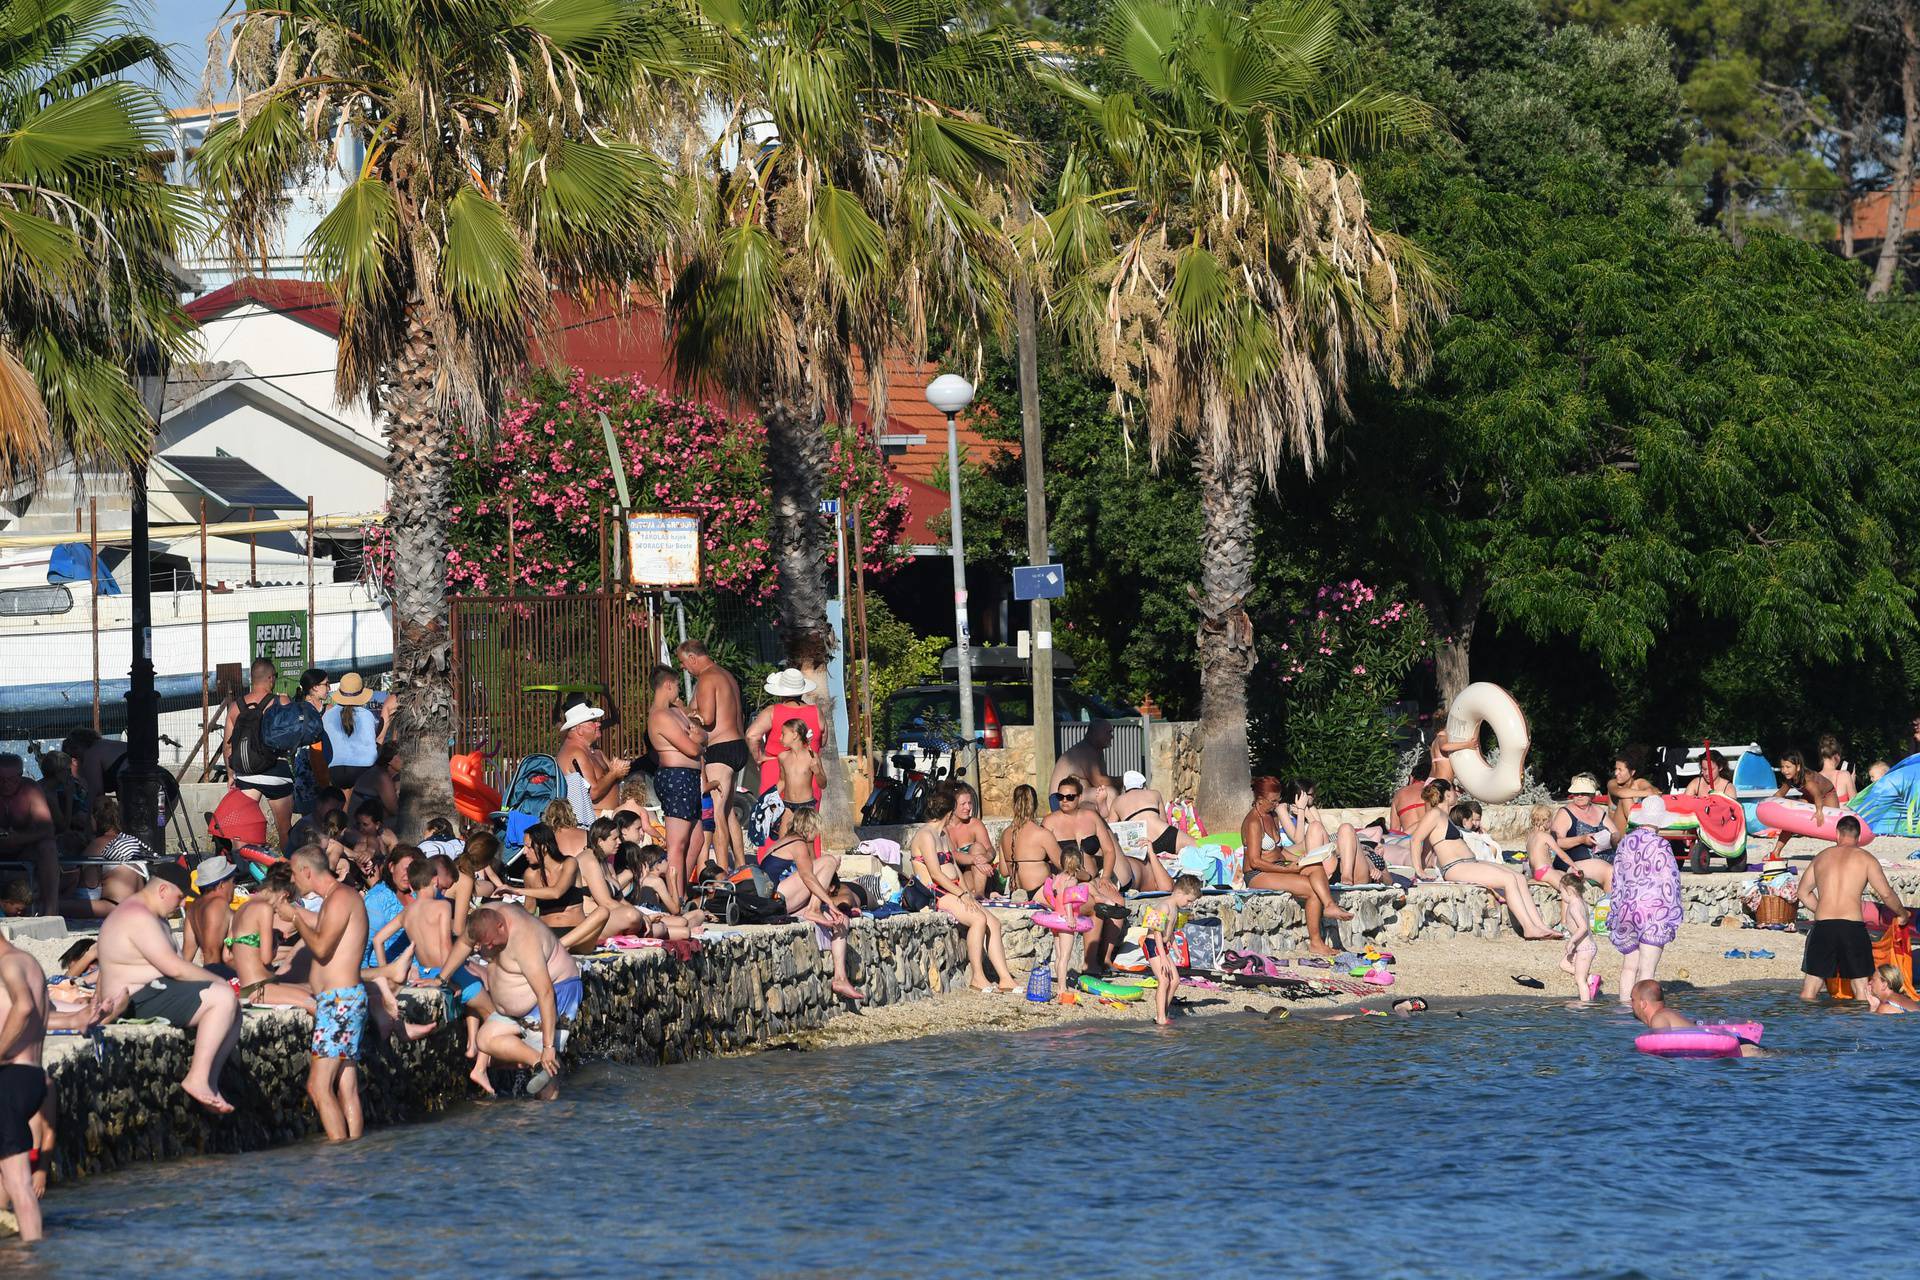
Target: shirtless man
800,773
1650,1006
677,782
336,936
23,1082
716,708
1087,761
137,959
1813,788
26,829
535,986
1832,887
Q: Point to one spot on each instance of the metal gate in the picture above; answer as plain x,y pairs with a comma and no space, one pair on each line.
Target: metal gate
1128,750
516,658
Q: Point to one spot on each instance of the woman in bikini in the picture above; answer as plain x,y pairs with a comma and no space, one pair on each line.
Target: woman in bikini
1140,803
937,872
972,846
1027,850
1835,769
557,894
252,947
1444,835
1076,825
1584,833
1268,865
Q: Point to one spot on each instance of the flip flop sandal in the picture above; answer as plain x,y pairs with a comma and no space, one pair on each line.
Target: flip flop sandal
1533,984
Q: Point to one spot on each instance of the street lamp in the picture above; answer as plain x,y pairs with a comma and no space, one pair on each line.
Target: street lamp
950,393
140,775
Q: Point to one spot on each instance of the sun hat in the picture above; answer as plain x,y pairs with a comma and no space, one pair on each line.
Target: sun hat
1583,784
578,714
1651,812
789,683
1133,780
212,871
352,691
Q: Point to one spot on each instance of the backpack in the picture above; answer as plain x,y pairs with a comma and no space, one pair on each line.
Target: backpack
734,898
291,726
251,754
763,826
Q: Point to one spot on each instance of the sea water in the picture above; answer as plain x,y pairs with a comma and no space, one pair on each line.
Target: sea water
1483,1139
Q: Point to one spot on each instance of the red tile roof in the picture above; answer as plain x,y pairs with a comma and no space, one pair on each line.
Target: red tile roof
1870,214
606,340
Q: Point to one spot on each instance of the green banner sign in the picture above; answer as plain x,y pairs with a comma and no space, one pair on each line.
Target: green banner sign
280,636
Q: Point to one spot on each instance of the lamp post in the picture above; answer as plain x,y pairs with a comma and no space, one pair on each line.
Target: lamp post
140,775
950,393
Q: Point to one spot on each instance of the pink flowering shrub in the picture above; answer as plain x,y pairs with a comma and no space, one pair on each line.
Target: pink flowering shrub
1340,665
547,465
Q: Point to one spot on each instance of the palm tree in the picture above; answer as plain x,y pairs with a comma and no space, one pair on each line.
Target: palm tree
847,206
1246,280
87,228
502,155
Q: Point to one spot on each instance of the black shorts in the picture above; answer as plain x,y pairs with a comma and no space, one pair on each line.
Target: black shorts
22,1089
1838,949
731,754
172,1001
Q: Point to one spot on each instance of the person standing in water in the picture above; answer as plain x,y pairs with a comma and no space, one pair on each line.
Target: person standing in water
1646,911
1832,888
23,1081
336,936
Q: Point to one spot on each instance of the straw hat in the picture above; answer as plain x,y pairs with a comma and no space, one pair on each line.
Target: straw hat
1583,784
789,683
352,691
578,714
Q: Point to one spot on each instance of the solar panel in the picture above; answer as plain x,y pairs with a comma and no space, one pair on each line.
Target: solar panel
234,482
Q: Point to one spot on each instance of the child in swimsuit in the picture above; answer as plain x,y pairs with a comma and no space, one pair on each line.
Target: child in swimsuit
1066,895
1159,917
1578,925
800,772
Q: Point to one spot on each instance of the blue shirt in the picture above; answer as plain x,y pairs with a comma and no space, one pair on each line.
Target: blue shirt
383,906
354,750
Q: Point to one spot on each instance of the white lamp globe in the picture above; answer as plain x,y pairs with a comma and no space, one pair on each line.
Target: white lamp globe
950,393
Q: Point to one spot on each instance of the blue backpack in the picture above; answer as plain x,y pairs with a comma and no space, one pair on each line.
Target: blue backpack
291,726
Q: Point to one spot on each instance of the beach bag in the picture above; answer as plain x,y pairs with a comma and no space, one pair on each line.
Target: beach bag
1205,938
915,896
1182,814
763,825
251,754
1040,984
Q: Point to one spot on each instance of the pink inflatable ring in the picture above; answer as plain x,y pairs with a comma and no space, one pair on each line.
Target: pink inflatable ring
1709,1040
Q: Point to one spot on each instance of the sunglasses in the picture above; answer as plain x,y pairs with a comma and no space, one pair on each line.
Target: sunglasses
1069,795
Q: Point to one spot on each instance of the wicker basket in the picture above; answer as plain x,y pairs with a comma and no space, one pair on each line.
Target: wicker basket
1775,910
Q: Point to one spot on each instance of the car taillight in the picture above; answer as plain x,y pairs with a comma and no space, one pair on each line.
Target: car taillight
990,728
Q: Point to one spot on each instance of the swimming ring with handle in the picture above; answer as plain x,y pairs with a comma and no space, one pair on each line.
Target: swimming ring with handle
1483,703
1054,922
1712,1040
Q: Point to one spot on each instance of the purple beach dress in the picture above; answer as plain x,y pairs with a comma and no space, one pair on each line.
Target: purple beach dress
1646,893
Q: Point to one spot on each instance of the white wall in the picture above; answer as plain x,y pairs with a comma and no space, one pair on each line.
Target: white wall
295,357
228,422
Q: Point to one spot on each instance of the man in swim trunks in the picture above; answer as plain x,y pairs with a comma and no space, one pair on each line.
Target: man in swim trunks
137,960
23,1082
535,986
336,936
26,830
716,708
677,782
1833,886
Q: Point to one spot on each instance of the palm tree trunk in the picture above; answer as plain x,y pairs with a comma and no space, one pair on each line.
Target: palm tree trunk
1226,635
797,458
419,496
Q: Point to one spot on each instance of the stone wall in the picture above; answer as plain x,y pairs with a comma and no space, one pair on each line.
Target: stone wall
1173,755
122,1104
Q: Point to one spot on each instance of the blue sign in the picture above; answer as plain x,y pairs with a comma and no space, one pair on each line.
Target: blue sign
829,506
1039,582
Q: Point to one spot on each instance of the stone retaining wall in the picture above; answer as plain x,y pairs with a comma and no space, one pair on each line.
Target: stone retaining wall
123,1105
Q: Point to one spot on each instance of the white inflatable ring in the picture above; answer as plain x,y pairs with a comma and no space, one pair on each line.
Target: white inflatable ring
1482,703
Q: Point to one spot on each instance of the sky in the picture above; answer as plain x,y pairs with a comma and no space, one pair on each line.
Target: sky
184,24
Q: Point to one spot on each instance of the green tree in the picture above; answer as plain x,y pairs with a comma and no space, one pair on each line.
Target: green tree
1632,426
505,159
1247,280
86,228
850,201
